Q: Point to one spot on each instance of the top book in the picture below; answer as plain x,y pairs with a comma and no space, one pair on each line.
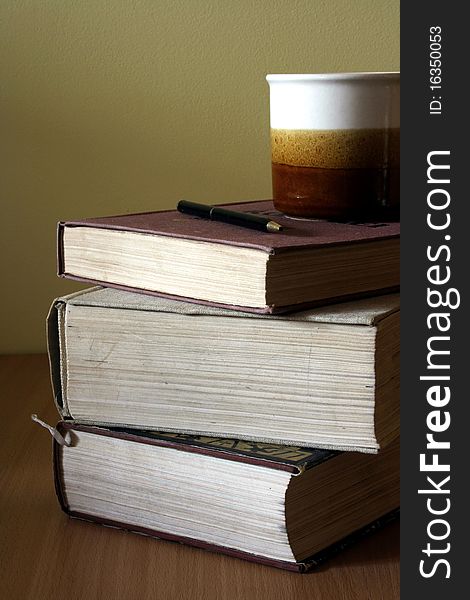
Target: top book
178,256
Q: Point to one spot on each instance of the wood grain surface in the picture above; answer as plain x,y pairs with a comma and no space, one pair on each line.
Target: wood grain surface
44,554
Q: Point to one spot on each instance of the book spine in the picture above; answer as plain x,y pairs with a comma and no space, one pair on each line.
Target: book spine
60,249
54,353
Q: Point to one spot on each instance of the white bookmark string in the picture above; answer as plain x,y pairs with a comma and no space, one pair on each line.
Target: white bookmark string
59,438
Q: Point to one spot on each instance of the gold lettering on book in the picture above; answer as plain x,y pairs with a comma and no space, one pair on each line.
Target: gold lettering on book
244,446
287,453
292,453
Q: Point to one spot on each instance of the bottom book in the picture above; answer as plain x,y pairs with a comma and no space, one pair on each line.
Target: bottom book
284,506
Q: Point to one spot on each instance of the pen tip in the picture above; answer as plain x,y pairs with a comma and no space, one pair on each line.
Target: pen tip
273,227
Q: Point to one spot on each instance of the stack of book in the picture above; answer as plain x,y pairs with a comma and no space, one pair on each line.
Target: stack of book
230,389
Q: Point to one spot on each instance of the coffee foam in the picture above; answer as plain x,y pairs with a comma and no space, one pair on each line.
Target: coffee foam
336,149
327,104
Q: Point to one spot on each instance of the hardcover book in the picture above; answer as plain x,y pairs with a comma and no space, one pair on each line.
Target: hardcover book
175,255
326,377
283,506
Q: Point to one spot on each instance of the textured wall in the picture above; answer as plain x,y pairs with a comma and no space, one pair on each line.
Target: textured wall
115,106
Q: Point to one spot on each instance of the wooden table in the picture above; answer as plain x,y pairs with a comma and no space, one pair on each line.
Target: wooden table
44,554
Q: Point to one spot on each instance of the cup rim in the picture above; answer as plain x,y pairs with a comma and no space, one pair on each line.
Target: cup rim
359,75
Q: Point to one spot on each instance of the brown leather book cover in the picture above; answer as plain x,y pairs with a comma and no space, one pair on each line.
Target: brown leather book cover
294,460
297,235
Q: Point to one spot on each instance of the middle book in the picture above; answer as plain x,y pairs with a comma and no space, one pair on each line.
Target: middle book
327,377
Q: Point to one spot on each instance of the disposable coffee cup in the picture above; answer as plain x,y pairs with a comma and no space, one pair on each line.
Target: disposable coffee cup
335,145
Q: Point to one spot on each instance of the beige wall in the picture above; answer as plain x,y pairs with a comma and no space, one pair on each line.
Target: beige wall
113,106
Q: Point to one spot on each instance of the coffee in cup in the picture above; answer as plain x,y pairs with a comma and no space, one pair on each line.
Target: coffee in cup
335,145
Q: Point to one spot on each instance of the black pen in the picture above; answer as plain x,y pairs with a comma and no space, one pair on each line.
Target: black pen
232,217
